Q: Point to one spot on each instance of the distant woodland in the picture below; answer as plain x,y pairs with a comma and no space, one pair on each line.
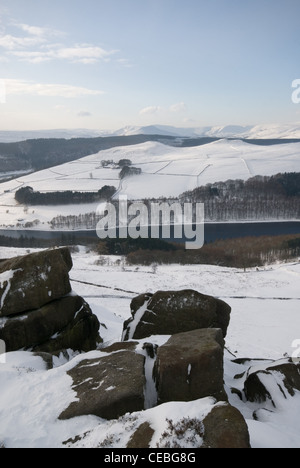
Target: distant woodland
27,196
258,198
246,252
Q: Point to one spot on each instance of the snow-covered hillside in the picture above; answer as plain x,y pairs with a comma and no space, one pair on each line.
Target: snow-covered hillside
166,171
265,323
267,131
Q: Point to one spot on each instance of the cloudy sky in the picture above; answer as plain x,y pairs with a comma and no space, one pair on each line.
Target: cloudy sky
106,64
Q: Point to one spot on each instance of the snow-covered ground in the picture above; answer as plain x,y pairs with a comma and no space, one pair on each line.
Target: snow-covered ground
265,322
166,171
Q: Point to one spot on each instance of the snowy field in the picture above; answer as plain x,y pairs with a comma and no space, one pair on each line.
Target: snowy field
166,171
265,322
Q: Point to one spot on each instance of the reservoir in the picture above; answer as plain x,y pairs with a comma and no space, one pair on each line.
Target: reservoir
212,232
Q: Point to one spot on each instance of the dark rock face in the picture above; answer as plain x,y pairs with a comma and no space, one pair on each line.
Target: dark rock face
80,334
225,427
190,366
38,326
37,311
171,312
30,282
142,437
108,387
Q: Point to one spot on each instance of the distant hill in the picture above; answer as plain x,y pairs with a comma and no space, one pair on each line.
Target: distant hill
271,131
44,153
268,131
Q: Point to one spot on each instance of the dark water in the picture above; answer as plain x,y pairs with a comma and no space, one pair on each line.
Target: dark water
212,231
230,231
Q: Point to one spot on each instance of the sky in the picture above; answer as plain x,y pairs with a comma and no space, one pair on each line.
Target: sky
107,64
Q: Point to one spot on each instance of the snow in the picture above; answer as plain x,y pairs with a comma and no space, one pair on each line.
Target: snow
137,318
263,131
5,279
166,171
229,131
265,323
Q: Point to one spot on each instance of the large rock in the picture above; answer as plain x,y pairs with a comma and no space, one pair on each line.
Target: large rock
273,383
225,427
171,312
67,323
32,281
108,387
190,366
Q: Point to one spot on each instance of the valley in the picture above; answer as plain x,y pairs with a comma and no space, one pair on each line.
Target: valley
166,172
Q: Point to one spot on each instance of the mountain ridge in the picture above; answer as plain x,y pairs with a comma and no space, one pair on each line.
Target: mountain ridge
267,131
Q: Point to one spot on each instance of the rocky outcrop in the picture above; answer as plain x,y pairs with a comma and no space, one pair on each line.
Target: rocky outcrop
172,312
37,310
190,366
108,387
131,376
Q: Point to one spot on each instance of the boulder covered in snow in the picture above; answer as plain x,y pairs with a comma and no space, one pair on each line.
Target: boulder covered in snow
108,387
272,383
171,312
32,281
190,366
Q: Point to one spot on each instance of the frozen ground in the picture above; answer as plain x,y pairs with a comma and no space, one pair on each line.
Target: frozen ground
265,323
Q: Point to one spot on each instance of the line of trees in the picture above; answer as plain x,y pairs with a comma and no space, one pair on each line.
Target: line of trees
86,221
27,196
